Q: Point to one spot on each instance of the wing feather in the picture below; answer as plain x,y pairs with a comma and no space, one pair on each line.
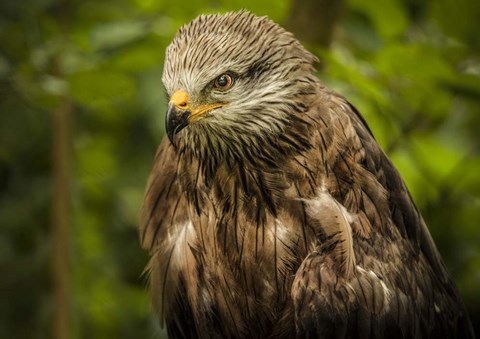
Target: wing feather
383,271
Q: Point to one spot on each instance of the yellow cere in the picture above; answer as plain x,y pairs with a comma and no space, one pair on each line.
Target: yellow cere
180,99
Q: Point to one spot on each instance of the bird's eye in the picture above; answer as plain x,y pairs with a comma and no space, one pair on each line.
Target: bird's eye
223,82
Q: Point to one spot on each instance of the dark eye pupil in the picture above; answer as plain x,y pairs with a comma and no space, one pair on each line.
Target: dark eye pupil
223,81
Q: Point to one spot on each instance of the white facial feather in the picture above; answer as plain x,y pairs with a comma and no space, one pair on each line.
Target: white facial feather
270,65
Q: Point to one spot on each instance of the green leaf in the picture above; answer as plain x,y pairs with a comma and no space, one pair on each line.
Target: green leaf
388,17
97,88
438,159
137,58
117,33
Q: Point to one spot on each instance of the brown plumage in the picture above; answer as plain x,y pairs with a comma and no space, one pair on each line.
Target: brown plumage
271,211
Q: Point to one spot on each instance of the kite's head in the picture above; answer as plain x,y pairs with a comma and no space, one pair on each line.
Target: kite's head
234,75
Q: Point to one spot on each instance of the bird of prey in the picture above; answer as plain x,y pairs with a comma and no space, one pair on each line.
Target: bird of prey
271,211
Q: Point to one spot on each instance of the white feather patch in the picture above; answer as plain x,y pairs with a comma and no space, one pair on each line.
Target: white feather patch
183,238
335,221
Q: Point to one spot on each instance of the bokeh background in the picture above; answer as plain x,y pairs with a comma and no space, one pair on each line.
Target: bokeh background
82,112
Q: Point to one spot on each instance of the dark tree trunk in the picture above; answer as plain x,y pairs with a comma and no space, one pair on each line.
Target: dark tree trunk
61,204
314,21
61,219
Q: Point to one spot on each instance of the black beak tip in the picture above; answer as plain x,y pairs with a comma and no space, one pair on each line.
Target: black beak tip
175,120
171,137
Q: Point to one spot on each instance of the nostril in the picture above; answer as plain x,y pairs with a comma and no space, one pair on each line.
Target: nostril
182,104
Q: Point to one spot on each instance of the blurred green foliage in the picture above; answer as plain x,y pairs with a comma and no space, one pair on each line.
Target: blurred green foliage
411,67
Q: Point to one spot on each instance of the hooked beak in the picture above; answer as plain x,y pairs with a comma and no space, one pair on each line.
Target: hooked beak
177,114
175,120
180,114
